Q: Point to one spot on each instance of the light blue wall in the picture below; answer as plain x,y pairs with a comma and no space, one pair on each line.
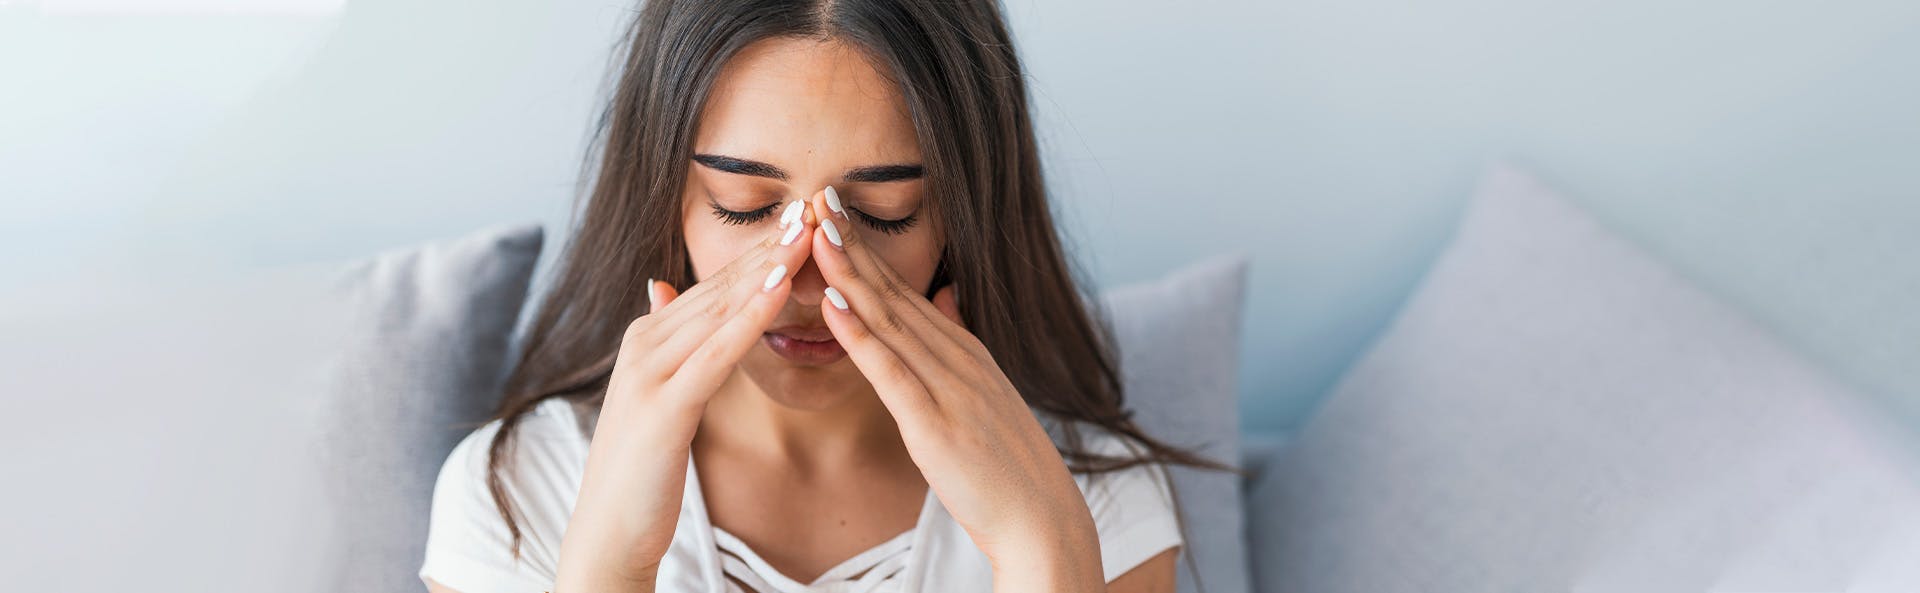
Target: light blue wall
1770,150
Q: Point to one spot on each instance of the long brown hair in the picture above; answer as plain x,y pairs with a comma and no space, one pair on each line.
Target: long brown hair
966,94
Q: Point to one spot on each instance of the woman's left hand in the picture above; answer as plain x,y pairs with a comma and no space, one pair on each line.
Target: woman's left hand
973,437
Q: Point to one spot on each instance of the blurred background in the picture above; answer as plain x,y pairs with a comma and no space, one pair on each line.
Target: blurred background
1770,151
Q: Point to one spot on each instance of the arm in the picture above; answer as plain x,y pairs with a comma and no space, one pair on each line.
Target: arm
670,362
1068,563
1156,575
963,421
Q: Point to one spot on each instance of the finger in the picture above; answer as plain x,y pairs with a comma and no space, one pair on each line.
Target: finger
829,205
698,319
749,263
904,394
948,305
903,328
731,273
841,231
707,367
658,295
851,262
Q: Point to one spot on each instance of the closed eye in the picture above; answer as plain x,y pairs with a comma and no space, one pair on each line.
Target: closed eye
741,218
891,227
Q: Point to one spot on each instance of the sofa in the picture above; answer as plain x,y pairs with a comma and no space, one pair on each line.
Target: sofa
1551,410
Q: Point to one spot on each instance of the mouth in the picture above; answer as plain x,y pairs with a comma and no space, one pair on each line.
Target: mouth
812,346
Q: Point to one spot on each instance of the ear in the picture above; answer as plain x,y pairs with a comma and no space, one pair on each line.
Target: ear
947,304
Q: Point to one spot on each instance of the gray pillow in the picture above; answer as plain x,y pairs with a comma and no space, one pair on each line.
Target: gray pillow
1179,341
427,349
1555,411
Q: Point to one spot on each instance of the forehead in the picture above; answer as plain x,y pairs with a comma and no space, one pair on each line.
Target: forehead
805,103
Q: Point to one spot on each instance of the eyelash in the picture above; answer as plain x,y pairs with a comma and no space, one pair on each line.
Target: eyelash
891,227
736,217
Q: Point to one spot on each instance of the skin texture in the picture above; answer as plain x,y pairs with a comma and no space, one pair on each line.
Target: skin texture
803,463
810,465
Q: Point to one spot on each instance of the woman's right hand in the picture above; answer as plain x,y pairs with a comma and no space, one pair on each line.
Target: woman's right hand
670,362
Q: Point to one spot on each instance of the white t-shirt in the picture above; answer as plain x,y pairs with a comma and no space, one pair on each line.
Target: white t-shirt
467,541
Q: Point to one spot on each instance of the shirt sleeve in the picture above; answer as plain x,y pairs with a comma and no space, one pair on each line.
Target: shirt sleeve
467,541
1132,509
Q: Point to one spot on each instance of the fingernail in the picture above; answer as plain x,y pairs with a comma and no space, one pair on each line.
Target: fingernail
833,203
651,299
792,213
774,278
833,233
793,232
839,302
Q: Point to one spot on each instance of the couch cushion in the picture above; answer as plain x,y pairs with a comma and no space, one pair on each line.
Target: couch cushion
1179,340
1555,411
427,349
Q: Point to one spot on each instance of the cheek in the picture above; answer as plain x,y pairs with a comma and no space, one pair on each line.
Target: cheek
711,244
914,256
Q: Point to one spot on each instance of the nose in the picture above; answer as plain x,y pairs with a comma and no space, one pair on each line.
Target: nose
809,286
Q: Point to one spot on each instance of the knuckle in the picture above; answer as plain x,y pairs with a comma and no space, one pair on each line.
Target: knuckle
889,290
637,328
890,322
698,357
859,333
713,309
899,372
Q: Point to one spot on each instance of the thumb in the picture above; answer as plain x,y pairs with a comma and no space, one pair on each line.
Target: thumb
659,294
948,304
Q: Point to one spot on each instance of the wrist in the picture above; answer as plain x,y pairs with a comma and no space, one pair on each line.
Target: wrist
605,578
1062,558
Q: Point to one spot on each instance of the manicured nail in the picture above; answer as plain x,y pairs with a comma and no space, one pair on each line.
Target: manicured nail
833,203
793,232
833,233
652,299
773,279
839,302
792,212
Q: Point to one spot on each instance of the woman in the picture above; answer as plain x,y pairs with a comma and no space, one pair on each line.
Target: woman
880,369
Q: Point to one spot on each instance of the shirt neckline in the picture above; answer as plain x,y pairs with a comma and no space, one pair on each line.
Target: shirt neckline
867,560
929,531
915,538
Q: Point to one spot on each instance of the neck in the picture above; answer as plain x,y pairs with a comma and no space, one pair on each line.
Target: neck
853,431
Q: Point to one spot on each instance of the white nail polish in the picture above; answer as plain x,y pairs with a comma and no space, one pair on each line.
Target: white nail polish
792,213
833,232
793,232
773,279
833,202
839,302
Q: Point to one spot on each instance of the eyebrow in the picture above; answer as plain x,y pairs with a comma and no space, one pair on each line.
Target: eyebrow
868,174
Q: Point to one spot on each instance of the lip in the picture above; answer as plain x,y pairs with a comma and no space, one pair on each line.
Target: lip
811,333
804,345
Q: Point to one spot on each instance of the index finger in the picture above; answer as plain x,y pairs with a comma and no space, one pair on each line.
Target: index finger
846,260
785,246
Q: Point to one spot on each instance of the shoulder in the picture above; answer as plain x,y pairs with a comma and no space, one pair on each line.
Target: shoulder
1133,509
469,546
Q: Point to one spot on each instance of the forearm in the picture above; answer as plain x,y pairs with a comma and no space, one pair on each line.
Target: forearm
610,580
1065,562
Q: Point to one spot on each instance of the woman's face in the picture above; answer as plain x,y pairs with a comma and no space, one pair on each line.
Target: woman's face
786,118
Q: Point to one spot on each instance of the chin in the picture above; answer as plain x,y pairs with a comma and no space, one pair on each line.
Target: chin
803,386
